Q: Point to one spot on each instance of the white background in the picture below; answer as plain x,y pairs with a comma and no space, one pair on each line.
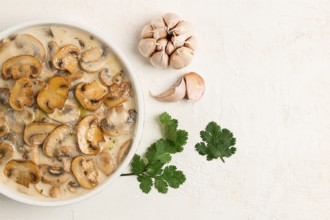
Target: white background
267,72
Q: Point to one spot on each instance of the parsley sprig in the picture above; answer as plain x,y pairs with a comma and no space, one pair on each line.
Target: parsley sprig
152,169
217,142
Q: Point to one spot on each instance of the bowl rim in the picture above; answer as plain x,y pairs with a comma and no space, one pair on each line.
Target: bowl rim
139,104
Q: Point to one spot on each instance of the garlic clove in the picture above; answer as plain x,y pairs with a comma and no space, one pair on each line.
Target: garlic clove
157,22
173,94
183,28
178,41
159,33
171,19
191,43
161,44
147,32
159,59
195,86
147,47
169,48
159,28
181,57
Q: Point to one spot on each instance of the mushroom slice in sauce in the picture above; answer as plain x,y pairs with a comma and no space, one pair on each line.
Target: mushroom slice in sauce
91,60
105,162
6,151
89,135
36,133
21,94
16,120
90,95
70,112
123,151
55,139
84,171
118,121
105,77
54,94
28,44
66,58
23,172
66,154
21,66
118,94
52,49
53,174
4,96
3,126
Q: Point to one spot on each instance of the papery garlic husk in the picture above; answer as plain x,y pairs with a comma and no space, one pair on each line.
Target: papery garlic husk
147,32
171,20
183,28
173,94
179,41
147,46
159,59
159,28
161,44
195,86
181,57
191,43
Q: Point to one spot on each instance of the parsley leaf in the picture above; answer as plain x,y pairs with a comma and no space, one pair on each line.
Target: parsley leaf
150,171
217,142
145,183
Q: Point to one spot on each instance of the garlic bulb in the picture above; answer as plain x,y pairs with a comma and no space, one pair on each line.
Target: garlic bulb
168,41
191,85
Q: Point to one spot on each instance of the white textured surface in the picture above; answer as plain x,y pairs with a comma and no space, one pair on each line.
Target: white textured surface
267,70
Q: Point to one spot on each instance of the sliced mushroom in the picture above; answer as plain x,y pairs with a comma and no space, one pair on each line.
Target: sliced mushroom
52,49
16,120
118,94
89,135
21,66
23,172
53,174
123,151
6,152
10,138
90,95
105,163
92,54
55,139
3,126
54,94
36,133
54,192
66,58
118,121
118,78
84,171
30,45
105,77
91,60
70,112
73,186
66,154
21,94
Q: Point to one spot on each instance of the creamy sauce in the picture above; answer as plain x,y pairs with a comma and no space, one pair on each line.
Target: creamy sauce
63,36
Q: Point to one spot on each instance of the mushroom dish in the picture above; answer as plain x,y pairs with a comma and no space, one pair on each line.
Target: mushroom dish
67,112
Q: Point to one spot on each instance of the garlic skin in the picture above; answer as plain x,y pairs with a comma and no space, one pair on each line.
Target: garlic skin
159,59
147,47
191,86
181,58
173,94
195,86
168,41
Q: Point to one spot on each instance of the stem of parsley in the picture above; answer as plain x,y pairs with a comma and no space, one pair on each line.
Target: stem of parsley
222,159
127,174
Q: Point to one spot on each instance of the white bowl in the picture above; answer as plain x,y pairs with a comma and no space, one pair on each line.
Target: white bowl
139,124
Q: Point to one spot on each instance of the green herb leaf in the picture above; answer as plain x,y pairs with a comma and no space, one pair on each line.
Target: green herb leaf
173,177
158,151
145,183
218,143
138,165
161,185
